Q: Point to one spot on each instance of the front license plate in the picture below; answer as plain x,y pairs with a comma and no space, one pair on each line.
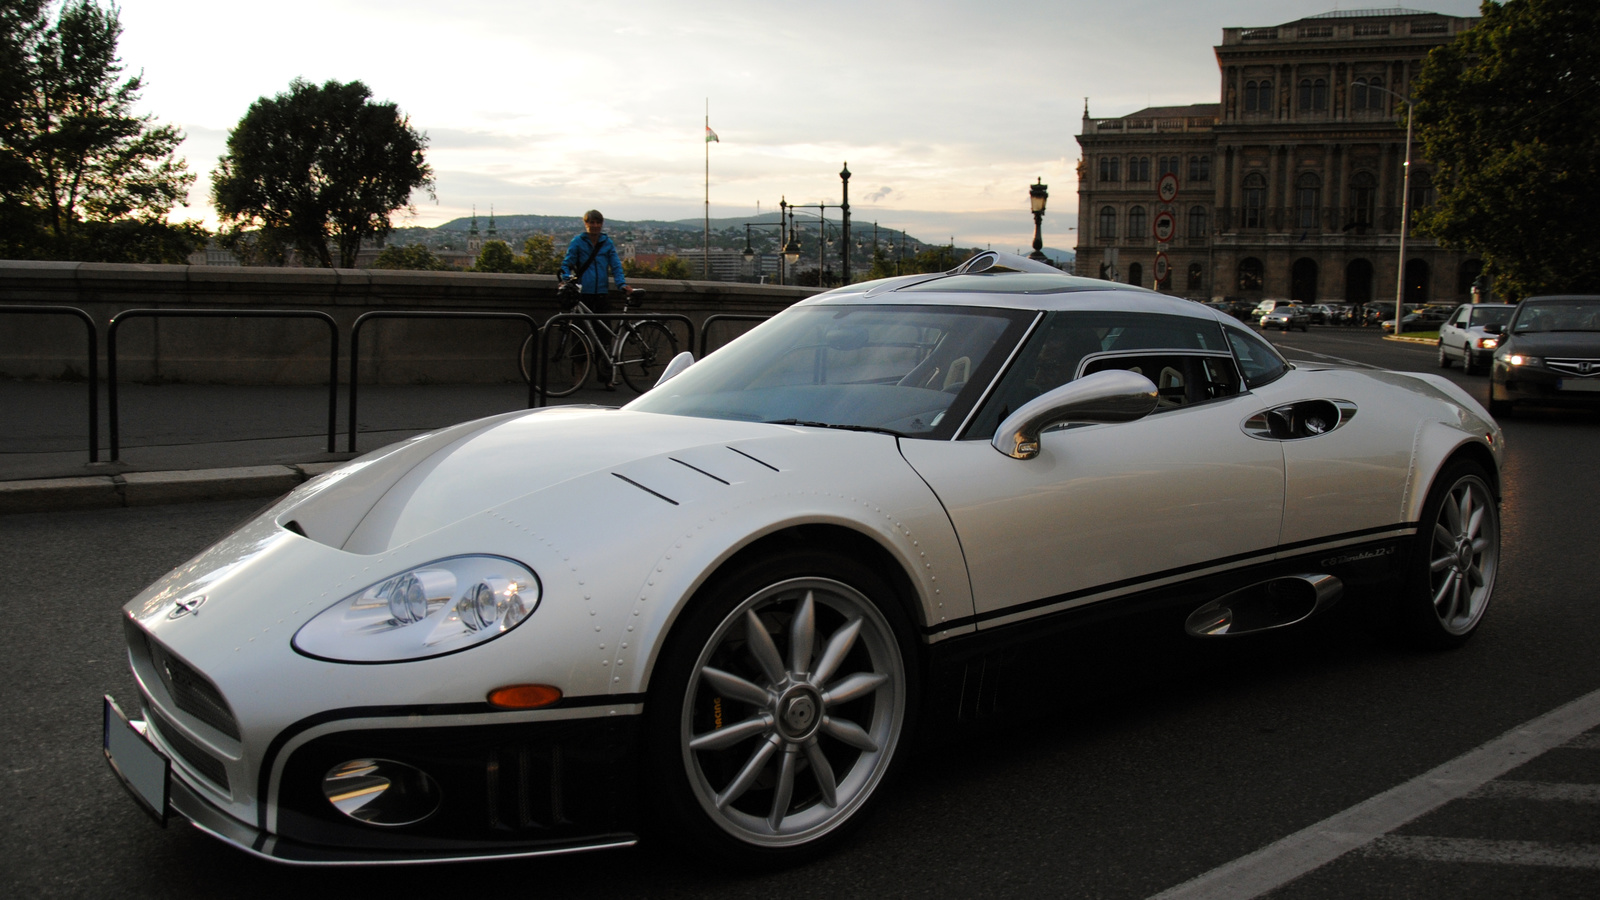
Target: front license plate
138,764
1579,384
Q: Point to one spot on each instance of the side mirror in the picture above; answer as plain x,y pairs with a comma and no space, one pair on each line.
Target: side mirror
675,368
1115,395
1496,328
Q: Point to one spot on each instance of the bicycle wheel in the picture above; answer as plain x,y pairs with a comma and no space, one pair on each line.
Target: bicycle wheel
646,350
567,359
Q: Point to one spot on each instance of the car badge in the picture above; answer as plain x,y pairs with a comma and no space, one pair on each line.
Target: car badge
1583,367
186,606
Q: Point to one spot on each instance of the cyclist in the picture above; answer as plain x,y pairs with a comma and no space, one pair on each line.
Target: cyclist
590,258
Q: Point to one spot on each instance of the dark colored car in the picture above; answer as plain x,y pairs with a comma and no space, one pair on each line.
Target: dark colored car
1549,354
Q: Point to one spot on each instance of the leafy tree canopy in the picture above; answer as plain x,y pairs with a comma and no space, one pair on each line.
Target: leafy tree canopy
415,257
1510,114
496,256
668,267
81,176
319,164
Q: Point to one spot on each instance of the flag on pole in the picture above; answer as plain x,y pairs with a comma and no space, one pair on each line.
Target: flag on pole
711,135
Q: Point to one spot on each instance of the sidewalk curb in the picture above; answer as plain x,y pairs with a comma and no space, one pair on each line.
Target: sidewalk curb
153,488
1400,338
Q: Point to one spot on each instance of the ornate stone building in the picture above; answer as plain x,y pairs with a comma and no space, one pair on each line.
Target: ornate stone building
1290,185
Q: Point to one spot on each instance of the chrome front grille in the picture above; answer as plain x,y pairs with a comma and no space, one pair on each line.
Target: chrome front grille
198,759
191,691
1583,368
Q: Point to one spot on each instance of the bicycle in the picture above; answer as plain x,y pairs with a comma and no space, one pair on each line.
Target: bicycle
635,352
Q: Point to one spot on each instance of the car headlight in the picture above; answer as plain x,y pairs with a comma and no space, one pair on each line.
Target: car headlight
1517,359
431,610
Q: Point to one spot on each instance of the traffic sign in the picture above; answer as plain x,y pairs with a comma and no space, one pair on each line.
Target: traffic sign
1164,226
1167,187
1162,267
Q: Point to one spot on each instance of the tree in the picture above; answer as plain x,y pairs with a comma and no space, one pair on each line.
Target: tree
415,257
1510,114
324,163
668,267
496,256
81,177
539,255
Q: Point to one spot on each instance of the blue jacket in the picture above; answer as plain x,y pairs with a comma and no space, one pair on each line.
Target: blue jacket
594,277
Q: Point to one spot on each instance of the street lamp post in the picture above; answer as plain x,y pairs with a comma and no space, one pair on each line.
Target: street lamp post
1038,194
750,251
844,214
1405,212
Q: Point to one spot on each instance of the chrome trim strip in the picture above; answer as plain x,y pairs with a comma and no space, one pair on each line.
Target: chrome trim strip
994,382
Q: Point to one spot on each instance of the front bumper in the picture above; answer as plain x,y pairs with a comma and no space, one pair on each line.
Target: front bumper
1539,385
514,790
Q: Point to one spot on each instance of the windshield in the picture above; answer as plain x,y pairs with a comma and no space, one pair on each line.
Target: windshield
910,370
1558,314
1491,316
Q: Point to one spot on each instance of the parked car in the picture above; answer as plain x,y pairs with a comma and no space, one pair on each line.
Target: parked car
1464,336
1321,314
1286,317
1411,322
726,603
1549,354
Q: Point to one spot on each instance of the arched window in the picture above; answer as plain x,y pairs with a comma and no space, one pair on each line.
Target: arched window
1375,94
1363,199
1196,278
1250,274
1199,168
1255,199
1307,200
1313,94
1135,274
1137,226
1108,223
1197,221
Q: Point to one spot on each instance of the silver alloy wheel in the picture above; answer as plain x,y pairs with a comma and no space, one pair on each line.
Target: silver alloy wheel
1463,555
783,746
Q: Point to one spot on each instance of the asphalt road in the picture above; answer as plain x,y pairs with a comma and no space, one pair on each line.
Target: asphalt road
1117,780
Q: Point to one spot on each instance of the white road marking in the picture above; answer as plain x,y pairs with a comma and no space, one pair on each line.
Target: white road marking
1469,850
1537,790
1584,742
1277,864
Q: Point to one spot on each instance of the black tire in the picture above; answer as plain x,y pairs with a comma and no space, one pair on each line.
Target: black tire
568,354
1500,409
1444,358
724,798
647,347
1468,365
1454,559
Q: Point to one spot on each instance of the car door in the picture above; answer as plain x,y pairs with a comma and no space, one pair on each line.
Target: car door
1105,510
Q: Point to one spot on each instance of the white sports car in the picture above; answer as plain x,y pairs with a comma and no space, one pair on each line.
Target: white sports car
715,614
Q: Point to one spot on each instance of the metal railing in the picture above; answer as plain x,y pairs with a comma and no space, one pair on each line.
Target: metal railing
93,368
542,363
119,318
355,347
705,325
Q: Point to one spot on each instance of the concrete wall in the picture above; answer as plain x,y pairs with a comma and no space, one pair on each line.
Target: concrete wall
295,351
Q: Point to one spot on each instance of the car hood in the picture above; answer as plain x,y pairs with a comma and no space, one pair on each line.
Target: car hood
1558,343
408,490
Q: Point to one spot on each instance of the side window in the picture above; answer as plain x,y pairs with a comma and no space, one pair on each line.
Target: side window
1186,357
1258,362
1460,320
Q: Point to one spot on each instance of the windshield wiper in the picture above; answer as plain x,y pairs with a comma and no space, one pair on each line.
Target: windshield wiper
835,425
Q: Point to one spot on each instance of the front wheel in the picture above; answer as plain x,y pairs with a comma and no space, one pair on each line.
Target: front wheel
780,708
646,349
1444,358
1456,556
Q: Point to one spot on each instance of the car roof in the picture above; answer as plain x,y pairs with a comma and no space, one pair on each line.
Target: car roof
1006,281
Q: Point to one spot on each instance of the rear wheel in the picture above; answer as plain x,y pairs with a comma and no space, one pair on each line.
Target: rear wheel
1456,556
780,708
567,356
646,350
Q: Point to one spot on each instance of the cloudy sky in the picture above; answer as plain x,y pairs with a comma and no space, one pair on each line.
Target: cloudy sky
945,110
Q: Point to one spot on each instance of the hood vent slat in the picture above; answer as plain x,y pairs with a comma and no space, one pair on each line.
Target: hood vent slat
645,489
